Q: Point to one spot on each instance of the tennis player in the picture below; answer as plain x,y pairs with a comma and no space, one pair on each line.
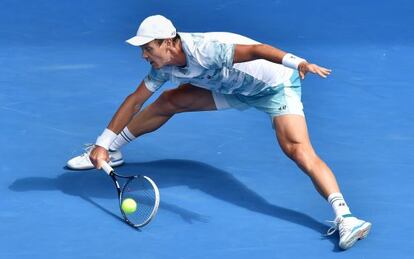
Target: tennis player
217,71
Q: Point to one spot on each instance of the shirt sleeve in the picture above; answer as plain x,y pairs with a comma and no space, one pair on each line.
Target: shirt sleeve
155,79
214,54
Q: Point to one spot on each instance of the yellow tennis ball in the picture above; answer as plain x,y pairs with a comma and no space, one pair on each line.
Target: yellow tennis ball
129,206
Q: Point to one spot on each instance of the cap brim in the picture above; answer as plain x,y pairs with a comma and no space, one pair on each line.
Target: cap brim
139,40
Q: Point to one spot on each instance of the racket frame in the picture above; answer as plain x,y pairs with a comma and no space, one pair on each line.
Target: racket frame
111,172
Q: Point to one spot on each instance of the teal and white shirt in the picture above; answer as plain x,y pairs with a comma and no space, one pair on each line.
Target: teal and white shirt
210,66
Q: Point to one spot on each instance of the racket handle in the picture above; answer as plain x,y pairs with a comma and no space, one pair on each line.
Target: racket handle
107,168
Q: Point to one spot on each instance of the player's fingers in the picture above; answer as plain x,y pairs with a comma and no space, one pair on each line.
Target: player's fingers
94,161
319,72
99,162
324,68
316,67
98,165
326,71
322,74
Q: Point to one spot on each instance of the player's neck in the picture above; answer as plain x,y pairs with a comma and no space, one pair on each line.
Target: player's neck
178,56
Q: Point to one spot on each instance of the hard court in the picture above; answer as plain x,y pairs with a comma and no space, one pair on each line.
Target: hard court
227,190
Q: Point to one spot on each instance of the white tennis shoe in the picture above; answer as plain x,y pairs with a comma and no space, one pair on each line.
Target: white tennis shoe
350,228
82,162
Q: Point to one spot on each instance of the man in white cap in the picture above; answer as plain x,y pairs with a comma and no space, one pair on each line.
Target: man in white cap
217,71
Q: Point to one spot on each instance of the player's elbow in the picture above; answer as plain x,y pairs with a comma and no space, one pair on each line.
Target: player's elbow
139,96
256,51
133,99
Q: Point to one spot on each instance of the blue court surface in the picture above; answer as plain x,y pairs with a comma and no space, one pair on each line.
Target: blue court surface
227,190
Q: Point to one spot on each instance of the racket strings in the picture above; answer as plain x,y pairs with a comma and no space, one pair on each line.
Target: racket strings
144,195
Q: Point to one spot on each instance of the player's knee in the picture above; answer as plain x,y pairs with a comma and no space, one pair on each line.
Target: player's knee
170,102
162,105
300,154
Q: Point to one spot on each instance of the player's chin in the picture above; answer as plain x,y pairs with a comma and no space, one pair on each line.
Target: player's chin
157,65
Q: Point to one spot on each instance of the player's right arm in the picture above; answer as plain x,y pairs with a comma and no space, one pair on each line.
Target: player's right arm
131,105
243,53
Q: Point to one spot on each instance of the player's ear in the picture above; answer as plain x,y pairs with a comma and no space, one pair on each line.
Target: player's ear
169,43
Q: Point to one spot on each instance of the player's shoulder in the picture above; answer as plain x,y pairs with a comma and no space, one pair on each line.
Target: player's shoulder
198,38
208,48
192,40
229,38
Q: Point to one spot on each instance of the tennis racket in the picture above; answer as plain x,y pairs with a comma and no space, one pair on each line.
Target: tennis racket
142,190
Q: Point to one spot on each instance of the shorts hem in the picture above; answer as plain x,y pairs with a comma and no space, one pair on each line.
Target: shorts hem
220,101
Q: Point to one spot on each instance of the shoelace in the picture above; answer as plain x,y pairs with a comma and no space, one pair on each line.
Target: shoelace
88,147
345,226
333,228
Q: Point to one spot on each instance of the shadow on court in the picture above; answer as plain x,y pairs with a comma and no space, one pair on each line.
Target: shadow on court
168,173
89,185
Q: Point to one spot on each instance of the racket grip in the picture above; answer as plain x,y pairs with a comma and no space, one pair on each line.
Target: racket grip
107,168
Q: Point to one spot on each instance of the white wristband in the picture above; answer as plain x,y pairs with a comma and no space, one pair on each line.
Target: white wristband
292,61
106,139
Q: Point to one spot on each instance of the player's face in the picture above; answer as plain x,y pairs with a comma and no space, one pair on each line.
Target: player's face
157,55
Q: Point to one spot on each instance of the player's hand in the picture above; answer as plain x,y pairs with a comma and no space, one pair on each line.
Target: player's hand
305,67
98,154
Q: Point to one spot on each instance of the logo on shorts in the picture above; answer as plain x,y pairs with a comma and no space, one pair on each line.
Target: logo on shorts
282,108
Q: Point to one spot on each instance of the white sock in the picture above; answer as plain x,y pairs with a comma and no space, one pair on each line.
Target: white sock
124,137
338,204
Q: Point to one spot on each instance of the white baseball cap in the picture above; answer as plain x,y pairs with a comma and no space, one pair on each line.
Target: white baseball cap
153,27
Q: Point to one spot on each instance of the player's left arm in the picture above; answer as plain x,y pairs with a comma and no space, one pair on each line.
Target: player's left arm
244,53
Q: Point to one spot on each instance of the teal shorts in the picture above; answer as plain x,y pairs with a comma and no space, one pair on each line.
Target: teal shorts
275,101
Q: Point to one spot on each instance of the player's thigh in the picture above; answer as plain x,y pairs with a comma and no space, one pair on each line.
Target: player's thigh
292,133
188,97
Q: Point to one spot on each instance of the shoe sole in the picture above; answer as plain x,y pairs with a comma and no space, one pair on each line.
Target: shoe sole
359,235
111,163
